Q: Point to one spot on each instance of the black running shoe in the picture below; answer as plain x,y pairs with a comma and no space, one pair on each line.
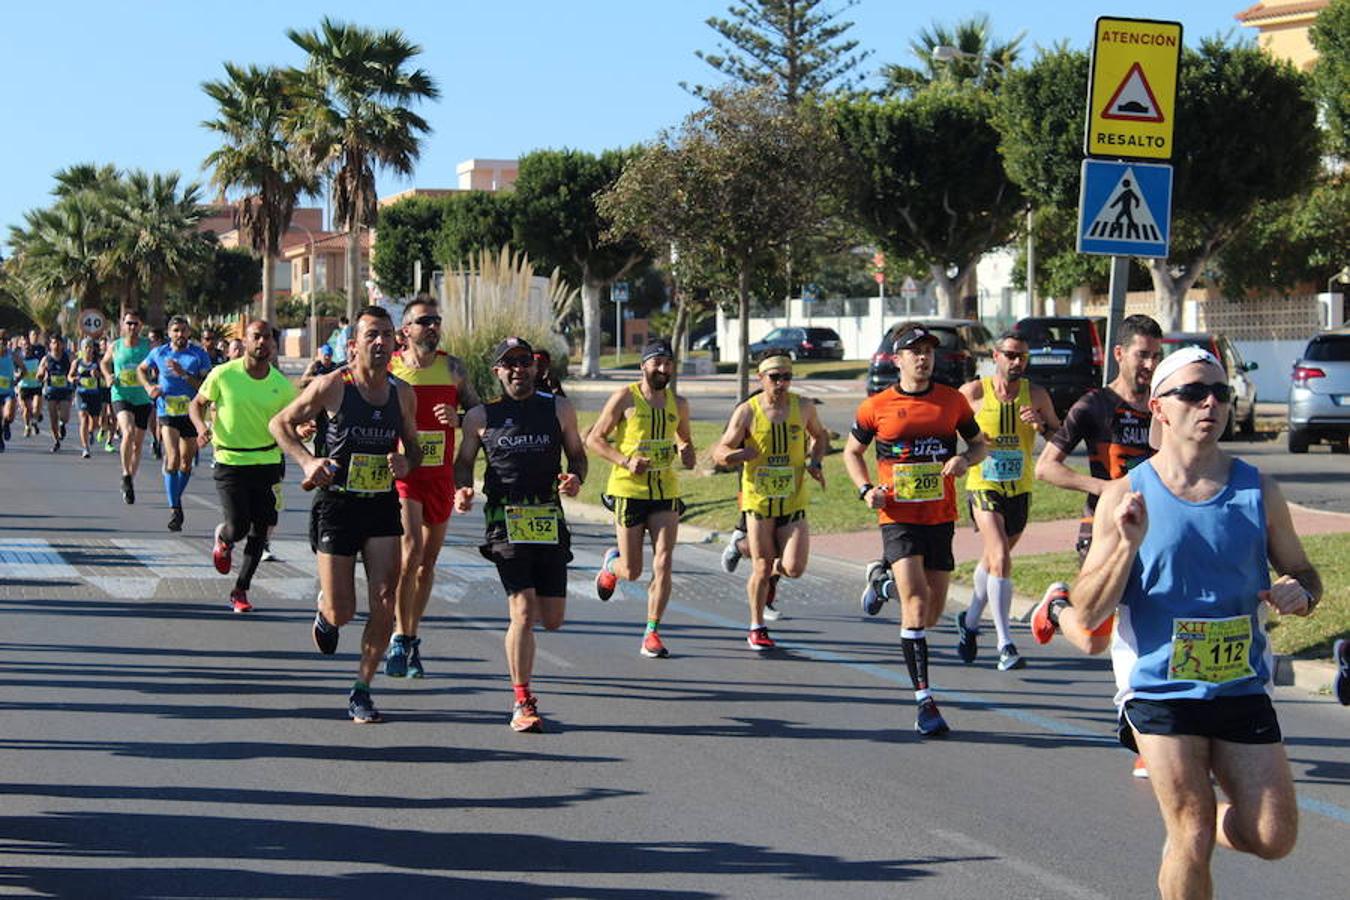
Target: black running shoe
967,645
929,722
325,635
7,434
361,708
176,520
128,490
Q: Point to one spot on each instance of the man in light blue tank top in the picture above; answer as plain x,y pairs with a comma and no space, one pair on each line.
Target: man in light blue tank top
1182,546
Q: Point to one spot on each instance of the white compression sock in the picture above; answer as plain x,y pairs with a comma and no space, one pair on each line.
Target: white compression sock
1000,605
978,598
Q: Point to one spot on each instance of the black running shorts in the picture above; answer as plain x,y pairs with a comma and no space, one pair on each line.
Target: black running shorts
182,424
521,567
1249,719
901,540
140,412
630,512
1014,509
341,523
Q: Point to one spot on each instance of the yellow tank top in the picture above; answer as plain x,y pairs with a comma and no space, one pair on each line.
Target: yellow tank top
1008,467
774,483
652,433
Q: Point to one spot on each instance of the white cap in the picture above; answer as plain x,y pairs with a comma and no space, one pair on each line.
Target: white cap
1171,364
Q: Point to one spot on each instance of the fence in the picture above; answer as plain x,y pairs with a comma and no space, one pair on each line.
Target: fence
860,322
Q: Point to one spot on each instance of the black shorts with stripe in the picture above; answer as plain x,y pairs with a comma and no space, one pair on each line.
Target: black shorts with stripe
1014,509
630,512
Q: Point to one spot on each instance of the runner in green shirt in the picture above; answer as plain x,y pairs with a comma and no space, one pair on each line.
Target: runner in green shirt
246,394
130,401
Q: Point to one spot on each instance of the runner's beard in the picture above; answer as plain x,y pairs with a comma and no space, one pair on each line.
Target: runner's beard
657,381
429,343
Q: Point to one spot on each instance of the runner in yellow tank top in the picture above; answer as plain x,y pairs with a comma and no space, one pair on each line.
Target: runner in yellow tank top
768,435
1010,411
650,423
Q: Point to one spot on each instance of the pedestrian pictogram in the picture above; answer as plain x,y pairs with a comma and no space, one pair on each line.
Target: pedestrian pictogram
1124,209
1133,101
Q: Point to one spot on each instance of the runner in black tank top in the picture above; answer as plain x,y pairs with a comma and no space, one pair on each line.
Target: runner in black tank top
523,435
356,508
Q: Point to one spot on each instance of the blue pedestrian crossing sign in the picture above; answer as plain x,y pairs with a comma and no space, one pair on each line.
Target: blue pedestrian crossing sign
1124,208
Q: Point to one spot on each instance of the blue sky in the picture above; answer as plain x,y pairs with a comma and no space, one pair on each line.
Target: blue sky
120,82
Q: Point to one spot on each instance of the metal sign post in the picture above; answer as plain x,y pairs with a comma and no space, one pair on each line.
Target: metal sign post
618,292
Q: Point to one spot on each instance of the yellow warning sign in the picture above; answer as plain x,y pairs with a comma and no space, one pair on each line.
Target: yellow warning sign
1132,94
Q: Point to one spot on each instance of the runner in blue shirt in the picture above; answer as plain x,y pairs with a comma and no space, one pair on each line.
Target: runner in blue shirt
181,367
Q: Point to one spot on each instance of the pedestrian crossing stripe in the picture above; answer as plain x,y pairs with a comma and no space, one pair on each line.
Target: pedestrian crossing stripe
1124,209
1133,101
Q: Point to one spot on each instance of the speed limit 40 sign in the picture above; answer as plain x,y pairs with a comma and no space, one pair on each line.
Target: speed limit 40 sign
92,322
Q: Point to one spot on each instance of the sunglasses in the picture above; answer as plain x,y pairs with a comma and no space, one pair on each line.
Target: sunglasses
427,321
516,362
1012,354
777,377
1197,391
131,323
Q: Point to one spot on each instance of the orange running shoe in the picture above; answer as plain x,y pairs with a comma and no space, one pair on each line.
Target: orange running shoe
1140,770
759,640
1043,627
605,580
652,648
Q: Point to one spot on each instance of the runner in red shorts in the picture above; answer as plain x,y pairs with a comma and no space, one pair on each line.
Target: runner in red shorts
441,385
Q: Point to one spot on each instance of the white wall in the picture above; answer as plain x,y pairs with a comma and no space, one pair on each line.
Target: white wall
1275,360
860,335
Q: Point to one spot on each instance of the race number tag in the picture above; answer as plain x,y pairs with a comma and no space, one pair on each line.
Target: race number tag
917,482
433,447
176,405
88,383
775,482
1002,465
127,378
660,453
368,473
5,382
57,381
1212,650
532,524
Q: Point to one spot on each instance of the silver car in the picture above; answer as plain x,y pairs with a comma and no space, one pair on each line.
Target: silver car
1319,397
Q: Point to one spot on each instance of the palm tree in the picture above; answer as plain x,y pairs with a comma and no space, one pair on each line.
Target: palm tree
352,117
156,238
59,250
978,59
254,107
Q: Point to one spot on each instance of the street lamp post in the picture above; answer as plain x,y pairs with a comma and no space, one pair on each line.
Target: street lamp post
313,314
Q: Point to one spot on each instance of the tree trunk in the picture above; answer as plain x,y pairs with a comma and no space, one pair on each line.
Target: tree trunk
948,290
743,303
590,321
267,304
355,289
154,316
1170,293
678,332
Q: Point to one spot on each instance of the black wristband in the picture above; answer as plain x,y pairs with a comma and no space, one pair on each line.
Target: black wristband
862,491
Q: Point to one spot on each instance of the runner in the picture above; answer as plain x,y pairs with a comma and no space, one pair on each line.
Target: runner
442,386
12,371
1165,538
651,424
523,434
157,339
182,367
130,400
768,437
1011,411
915,424
30,386
88,380
355,507
322,364
211,344
54,373
246,394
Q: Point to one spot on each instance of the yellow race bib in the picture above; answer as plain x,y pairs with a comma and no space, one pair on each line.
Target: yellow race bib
127,378
532,524
57,381
1212,650
368,473
176,405
917,482
88,383
775,482
433,447
5,382
660,453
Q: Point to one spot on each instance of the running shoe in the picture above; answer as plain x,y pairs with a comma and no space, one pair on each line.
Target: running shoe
771,611
222,553
874,597
361,708
267,554
1140,770
128,490
731,553
1009,658
759,640
37,428
929,721
1340,685
62,426
56,446
84,454
325,635
176,519
1043,627
396,659
967,646
27,430
110,447
415,669
605,580
652,647
239,601
8,436
525,716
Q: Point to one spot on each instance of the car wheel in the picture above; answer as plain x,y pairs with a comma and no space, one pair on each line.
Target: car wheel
1298,440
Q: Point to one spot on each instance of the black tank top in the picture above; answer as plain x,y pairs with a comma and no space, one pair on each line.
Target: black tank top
366,432
522,440
58,368
85,370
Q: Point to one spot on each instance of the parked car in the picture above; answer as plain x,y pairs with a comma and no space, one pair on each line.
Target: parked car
1319,397
1066,355
707,340
965,350
799,343
1242,411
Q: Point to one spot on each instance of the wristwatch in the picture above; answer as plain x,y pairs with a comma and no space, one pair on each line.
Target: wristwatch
862,491
1312,600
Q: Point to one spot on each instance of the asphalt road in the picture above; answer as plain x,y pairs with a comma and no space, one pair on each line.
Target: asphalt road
154,744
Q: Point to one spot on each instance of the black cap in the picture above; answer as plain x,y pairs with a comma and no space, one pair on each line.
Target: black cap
509,344
912,335
657,347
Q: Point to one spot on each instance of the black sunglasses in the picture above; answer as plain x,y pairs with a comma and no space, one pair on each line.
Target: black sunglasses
516,362
132,322
776,377
1013,354
427,321
1197,391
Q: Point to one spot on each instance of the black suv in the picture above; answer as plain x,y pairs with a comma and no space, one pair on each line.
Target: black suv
799,343
965,349
1067,354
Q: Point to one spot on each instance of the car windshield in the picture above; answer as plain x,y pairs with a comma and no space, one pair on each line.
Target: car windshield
1331,348
1203,341
822,334
1050,331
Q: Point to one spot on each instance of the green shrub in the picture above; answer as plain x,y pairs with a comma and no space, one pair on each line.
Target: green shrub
474,348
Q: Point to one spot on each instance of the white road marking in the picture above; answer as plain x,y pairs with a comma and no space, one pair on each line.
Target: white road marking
34,558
